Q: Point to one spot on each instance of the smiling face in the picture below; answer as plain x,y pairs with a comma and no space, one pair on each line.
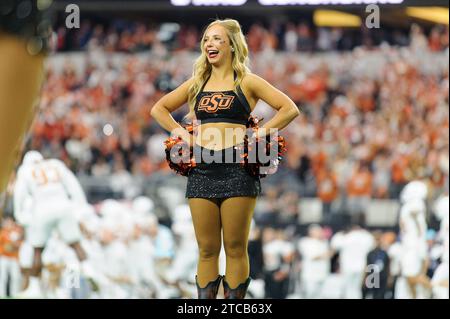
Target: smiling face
216,45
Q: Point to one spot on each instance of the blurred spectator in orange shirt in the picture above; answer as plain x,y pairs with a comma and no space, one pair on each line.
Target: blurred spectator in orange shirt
359,191
11,236
327,190
399,174
382,176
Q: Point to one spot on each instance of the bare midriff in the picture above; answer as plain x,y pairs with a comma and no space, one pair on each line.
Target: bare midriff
220,135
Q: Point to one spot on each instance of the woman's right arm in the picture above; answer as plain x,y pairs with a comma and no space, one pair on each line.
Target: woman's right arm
169,103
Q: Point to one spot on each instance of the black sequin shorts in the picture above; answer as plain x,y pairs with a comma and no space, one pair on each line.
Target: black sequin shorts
31,20
218,174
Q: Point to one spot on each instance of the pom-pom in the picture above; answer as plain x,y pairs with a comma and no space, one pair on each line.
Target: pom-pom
273,147
180,158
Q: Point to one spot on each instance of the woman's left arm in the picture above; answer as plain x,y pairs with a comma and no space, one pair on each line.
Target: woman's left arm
286,108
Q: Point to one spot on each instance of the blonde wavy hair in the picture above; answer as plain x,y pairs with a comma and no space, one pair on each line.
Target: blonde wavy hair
202,68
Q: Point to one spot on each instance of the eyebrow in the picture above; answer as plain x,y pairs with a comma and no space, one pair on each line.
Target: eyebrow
214,35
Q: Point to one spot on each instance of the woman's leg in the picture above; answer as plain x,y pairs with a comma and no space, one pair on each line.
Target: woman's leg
206,218
21,76
236,215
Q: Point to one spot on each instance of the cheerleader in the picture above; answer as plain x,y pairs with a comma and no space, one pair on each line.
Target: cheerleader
221,192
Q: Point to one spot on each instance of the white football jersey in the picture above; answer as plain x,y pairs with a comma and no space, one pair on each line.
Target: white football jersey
353,248
413,221
311,249
274,252
43,181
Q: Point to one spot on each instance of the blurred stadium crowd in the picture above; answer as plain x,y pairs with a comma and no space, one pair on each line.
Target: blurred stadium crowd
132,37
375,117
372,119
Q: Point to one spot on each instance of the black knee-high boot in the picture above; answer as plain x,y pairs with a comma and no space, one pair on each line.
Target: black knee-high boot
211,289
237,293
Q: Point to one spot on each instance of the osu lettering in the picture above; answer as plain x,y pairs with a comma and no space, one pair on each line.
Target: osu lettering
214,102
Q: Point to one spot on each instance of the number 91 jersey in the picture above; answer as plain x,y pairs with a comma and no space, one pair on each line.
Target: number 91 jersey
49,179
46,195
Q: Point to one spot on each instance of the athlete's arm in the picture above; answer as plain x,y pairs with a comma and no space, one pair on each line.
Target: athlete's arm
73,186
260,89
415,217
20,199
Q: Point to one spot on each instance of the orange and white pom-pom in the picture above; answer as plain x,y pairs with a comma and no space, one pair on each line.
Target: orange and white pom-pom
180,159
275,146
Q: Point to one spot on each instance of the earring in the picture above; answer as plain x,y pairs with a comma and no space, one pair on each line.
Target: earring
232,49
